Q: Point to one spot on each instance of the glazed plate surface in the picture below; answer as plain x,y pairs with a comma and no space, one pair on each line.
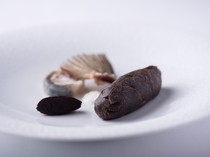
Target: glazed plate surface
27,56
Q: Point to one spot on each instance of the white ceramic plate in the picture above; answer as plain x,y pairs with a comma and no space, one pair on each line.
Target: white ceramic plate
26,56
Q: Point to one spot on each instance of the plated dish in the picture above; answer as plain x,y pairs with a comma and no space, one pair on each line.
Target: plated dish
28,55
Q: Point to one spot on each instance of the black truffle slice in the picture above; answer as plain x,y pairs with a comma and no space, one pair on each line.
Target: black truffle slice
130,92
58,105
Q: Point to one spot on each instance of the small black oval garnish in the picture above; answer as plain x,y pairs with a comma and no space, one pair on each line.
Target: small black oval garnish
58,105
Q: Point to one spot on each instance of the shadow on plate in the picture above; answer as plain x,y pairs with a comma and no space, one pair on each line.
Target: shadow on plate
74,119
157,107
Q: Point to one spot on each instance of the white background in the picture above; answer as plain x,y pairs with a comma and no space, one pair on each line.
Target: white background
189,15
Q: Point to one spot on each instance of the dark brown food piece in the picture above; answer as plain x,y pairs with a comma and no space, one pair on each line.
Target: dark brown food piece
130,92
58,105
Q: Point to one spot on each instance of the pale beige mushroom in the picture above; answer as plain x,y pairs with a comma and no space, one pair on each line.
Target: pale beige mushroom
90,66
74,76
